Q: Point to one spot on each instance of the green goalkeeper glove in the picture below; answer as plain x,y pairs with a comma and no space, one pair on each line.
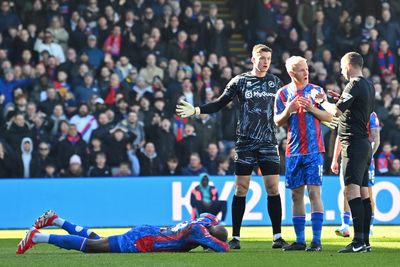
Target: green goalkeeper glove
333,124
185,109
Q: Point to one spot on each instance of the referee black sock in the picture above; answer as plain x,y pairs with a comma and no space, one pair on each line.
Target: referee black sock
367,218
238,207
357,212
275,213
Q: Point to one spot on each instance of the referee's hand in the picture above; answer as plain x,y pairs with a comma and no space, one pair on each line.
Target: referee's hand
185,109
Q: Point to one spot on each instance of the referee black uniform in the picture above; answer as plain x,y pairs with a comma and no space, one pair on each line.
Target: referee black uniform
357,104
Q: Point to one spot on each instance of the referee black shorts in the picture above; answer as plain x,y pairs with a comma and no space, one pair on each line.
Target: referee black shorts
356,158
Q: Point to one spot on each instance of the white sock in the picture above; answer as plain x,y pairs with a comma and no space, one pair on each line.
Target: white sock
58,222
277,236
236,237
41,238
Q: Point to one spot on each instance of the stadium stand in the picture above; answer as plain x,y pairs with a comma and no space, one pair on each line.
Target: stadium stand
86,77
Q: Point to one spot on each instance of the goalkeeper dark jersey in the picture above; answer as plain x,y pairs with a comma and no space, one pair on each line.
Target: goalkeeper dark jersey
256,103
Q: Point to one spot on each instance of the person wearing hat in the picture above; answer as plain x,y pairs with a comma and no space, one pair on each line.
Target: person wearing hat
75,167
204,198
96,55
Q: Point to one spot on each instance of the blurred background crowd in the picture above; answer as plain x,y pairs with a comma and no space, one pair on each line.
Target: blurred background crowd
89,88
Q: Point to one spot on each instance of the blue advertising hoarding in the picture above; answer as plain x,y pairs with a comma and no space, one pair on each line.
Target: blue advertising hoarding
125,202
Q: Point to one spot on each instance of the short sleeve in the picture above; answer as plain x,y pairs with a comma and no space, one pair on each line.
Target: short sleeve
280,102
350,92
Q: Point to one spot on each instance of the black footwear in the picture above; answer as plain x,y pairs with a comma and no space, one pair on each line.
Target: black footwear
234,244
314,247
279,243
354,247
368,247
294,246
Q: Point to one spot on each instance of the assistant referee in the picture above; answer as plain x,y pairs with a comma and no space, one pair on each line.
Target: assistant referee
354,107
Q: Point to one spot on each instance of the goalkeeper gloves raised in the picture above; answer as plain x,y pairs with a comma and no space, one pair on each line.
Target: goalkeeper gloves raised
185,109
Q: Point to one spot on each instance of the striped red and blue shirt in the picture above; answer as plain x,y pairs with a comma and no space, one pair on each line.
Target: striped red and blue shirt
304,130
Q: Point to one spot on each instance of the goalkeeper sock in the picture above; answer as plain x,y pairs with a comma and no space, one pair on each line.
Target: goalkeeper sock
74,229
238,207
299,223
275,213
68,241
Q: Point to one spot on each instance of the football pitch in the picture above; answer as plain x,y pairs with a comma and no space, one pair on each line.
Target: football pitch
256,251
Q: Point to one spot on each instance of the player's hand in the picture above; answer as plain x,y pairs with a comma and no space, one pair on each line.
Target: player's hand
333,124
335,167
185,109
293,105
305,103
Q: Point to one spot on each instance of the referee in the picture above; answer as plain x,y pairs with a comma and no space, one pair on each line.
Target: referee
256,142
354,108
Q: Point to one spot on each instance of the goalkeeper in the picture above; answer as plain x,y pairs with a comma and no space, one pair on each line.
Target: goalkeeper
256,143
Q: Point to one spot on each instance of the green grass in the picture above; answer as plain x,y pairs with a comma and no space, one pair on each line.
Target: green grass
256,251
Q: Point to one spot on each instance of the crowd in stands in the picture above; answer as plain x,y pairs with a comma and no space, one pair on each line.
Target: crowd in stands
89,88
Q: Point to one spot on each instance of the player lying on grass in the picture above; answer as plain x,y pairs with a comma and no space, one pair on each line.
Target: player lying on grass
203,231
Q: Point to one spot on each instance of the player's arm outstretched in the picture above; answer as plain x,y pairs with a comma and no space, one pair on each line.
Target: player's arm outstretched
200,235
185,109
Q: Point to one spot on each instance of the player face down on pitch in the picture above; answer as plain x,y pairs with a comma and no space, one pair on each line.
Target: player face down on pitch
203,231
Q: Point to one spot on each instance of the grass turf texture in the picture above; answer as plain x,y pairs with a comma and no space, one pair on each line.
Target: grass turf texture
256,251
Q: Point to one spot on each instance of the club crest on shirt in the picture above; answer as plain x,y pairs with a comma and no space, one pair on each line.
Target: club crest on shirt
271,84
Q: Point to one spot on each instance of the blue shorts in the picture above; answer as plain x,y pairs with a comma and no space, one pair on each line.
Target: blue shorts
304,170
126,243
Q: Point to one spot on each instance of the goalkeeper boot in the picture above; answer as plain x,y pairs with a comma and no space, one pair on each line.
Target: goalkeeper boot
27,242
45,220
234,244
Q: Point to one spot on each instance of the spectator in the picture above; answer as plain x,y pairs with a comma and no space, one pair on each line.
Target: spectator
151,70
96,56
206,127
172,167
194,167
87,90
112,45
188,145
123,170
45,42
17,130
117,145
59,33
26,164
224,167
72,144
150,163
385,159
101,169
204,198
395,170
8,18
6,161
9,84
84,122
210,159
75,168
50,171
